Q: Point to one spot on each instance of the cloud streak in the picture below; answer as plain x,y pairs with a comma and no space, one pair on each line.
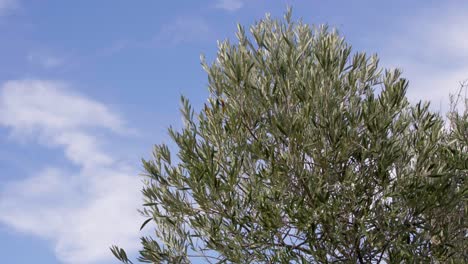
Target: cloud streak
229,5
45,61
185,30
80,211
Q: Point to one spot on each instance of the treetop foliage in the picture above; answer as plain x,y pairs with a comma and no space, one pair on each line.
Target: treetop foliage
306,153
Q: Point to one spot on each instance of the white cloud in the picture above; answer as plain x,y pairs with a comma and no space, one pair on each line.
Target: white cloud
432,49
81,211
44,109
441,32
6,5
230,5
184,30
50,105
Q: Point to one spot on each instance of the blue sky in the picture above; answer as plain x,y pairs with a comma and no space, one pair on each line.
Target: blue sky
87,87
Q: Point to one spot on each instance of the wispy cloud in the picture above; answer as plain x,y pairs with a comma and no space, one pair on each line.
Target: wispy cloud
44,60
440,32
6,5
116,47
81,211
432,49
185,30
230,5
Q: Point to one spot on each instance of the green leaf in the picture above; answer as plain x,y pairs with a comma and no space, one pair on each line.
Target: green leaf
145,222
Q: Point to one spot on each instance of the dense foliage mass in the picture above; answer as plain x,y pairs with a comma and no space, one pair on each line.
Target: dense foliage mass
307,153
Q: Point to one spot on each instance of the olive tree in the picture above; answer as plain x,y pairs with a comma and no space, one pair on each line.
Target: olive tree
306,152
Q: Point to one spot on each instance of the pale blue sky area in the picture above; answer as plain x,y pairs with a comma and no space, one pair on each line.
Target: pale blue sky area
87,87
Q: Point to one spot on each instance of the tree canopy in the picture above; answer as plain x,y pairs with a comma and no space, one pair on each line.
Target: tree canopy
306,153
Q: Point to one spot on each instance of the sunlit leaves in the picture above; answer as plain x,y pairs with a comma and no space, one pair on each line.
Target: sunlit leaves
307,153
